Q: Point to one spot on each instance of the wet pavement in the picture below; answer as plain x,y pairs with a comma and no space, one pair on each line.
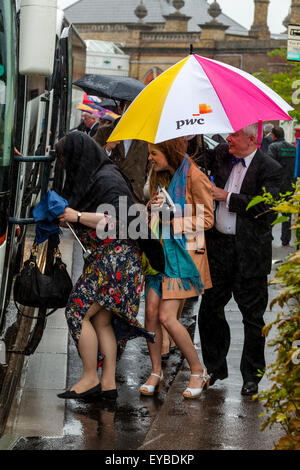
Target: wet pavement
221,419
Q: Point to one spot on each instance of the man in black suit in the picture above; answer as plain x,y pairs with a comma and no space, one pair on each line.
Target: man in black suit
267,140
285,154
239,251
91,123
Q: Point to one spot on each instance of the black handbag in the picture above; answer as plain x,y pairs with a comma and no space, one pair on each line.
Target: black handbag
34,289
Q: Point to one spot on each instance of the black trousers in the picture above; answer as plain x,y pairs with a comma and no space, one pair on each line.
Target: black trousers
251,296
286,233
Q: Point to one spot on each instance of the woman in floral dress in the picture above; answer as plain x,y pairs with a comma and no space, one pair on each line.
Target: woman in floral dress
103,305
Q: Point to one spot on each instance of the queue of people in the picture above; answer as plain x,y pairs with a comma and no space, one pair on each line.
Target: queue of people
212,253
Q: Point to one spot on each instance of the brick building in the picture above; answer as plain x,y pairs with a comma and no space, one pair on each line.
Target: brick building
157,33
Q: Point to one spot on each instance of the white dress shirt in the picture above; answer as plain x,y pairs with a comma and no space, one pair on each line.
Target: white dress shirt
225,220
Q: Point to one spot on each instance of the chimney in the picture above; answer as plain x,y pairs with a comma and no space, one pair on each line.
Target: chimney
259,29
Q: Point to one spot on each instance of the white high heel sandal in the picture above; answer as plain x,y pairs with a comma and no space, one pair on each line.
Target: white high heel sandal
196,392
151,389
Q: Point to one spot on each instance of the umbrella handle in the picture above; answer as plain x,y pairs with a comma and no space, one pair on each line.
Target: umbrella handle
86,252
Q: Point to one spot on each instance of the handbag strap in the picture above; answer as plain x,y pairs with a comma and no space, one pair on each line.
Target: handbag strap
32,316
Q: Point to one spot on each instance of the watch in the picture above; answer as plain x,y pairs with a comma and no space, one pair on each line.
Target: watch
79,214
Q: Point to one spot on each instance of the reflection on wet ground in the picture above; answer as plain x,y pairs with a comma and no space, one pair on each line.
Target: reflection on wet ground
122,424
220,419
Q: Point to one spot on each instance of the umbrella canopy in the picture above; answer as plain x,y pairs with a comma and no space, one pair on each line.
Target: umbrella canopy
110,86
98,111
92,109
214,98
90,99
110,104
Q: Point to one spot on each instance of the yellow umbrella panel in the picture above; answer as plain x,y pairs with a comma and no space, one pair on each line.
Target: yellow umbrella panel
141,119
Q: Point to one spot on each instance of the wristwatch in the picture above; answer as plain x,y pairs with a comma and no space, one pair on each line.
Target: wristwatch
79,214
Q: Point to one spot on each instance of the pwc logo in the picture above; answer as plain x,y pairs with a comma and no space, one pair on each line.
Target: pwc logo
203,109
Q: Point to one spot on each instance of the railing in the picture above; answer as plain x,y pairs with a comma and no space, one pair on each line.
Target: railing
170,37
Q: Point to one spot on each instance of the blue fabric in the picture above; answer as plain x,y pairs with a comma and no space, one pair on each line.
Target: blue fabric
179,266
154,282
45,213
238,160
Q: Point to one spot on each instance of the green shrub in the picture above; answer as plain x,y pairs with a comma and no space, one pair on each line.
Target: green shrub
282,400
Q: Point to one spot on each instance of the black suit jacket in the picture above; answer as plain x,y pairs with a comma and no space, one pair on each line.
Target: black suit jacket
253,227
92,132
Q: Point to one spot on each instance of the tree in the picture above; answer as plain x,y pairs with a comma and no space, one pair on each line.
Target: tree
286,84
282,400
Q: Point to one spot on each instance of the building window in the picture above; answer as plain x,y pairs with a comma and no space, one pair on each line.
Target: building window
151,75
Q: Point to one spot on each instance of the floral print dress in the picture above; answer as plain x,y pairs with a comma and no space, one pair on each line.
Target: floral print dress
112,276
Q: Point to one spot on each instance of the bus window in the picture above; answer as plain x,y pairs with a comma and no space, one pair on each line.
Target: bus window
2,86
7,83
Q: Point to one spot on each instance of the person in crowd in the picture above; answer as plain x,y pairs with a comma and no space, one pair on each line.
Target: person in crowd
131,156
239,251
285,154
91,123
103,305
267,138
186,265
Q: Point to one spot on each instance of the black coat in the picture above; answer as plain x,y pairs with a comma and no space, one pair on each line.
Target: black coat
285,154
253,227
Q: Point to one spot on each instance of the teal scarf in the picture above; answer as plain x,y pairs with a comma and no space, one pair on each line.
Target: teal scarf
179,266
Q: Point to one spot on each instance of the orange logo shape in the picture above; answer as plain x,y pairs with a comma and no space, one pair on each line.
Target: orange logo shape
203,109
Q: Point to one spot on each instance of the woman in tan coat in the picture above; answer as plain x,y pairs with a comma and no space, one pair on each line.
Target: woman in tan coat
187,271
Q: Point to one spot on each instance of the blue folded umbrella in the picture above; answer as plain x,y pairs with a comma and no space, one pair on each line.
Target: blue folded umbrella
45,212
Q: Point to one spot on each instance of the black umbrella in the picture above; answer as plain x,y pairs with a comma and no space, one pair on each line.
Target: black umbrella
107,103
110,86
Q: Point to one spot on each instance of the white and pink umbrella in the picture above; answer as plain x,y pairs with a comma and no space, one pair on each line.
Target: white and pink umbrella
199,96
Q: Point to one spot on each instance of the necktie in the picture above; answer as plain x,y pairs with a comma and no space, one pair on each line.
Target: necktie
238,160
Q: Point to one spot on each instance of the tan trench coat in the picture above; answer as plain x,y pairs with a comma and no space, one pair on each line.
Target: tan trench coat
199,197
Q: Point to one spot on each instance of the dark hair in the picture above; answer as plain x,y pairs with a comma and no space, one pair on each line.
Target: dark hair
59,148
278,132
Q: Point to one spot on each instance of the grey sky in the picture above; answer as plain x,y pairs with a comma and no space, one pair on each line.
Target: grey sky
242,11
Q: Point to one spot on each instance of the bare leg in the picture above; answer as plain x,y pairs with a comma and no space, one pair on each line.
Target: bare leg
165,349
88,349
152,324
168,317
179,312
108,346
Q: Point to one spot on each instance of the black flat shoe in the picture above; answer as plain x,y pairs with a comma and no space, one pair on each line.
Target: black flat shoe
249,388
164,357
92,392
109,394
214,377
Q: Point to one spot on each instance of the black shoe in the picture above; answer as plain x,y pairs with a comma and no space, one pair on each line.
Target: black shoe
214,377
109,394
164,357
91,393
249,388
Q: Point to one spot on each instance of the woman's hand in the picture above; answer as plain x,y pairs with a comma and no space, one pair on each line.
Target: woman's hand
69,215
156,201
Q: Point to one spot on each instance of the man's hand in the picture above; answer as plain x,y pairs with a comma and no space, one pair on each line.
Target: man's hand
219,194
109,146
